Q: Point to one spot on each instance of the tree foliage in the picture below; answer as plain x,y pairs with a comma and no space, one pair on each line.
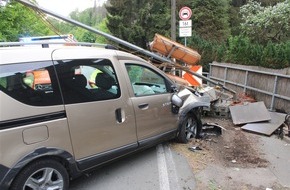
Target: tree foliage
234,16
261,39
238,31
210,19
138,21
18,20
263,24
102,26
272,55
94,17
90,16
241,50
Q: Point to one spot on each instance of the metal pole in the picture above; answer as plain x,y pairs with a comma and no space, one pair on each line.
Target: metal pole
173,26
120,41
173,20
91,29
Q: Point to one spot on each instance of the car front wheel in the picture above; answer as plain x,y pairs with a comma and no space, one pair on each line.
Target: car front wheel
42,175
189,128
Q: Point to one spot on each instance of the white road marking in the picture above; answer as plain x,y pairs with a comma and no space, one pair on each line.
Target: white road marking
162,168
174,183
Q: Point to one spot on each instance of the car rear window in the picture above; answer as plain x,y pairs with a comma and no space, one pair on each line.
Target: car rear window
31,83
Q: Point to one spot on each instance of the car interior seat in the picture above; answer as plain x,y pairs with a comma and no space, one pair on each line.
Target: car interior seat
104,82
79,85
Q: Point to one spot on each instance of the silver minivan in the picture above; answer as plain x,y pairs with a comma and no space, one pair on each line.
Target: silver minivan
66,110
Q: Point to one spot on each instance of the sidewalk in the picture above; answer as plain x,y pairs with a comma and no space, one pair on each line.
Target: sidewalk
277,152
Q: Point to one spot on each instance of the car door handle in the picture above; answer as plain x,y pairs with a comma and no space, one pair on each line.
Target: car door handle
120,115
144,106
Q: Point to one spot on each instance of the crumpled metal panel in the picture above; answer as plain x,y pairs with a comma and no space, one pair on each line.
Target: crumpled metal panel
266,128
249,113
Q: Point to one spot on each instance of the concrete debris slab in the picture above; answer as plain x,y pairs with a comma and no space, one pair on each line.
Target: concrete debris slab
266,128
249,113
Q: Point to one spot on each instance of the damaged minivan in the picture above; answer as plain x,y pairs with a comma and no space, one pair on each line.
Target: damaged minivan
93,106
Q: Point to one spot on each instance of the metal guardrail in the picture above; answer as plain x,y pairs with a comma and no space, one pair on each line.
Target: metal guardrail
244,84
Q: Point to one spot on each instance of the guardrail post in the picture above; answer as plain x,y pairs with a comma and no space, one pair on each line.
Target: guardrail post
274,93
225,75
246,81
210,73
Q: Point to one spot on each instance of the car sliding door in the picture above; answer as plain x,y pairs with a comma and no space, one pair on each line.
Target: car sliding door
101,123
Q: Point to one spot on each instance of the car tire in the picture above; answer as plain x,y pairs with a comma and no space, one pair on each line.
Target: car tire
190,127
42,174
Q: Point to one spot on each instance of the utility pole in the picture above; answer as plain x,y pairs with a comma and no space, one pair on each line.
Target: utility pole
173,20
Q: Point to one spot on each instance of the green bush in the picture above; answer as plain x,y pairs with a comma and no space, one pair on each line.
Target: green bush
241,50
276,55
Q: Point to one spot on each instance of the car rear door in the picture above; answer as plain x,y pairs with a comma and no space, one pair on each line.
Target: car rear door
100,117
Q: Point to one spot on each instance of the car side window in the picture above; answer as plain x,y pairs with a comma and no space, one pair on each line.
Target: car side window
87,80
31,83
146,81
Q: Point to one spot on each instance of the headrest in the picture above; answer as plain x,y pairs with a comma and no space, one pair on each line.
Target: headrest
104,81
80,80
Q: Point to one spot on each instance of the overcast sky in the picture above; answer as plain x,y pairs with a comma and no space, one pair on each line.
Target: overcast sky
64,7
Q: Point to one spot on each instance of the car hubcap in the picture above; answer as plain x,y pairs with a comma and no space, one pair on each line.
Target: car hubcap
44,179
190,128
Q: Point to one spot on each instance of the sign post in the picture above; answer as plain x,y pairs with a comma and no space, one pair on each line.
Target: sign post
185,25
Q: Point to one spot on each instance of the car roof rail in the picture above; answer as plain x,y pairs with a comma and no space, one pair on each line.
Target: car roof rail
46,44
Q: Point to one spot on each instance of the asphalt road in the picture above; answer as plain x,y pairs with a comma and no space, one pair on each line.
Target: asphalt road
158,168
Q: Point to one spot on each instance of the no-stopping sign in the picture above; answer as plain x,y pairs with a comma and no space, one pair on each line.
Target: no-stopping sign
185,13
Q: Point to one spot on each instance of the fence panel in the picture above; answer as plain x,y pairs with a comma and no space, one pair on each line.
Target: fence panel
268,85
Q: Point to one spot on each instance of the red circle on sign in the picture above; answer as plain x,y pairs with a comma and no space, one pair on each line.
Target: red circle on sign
185,13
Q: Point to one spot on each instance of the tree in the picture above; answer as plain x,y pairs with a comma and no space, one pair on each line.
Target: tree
86,17
263,24
92,17
102,26
269,2
18,20
60,27
210,19
235,19
138,21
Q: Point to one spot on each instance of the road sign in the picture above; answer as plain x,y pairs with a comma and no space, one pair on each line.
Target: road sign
185,23
185,29
185,13
185,32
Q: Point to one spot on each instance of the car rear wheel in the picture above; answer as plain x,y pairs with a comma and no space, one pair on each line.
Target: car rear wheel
190,127
42,175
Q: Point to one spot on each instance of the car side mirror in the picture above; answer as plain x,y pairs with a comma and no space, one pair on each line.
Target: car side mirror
176,100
